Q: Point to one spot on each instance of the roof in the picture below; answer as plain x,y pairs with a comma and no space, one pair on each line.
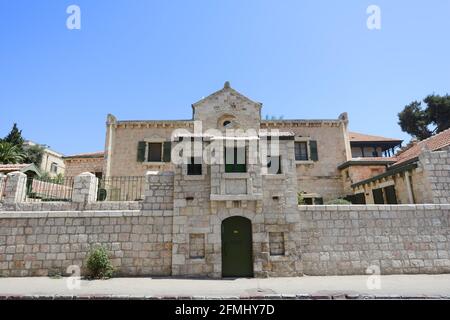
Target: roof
22,167
433,143
407,158
226,88
46,148
368,161
99,154
361,137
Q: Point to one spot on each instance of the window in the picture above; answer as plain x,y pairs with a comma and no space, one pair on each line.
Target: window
276,243
196,246
154,152
54,167
226,123
301,151
274,164
194,167
235,160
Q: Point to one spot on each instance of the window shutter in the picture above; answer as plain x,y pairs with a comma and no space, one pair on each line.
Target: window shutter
167,150
313,150
141,151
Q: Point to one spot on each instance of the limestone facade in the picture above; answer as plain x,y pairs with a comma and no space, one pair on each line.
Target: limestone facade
315,173
90,162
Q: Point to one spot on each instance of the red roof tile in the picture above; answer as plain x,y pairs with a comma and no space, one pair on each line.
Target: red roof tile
99,154
360,137
433,143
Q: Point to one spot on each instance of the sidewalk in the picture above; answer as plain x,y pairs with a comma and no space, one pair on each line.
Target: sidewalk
350,287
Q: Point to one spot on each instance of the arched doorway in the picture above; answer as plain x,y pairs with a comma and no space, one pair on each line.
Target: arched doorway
237,256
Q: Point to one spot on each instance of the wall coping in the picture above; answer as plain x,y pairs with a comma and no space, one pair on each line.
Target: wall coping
83,214
379,207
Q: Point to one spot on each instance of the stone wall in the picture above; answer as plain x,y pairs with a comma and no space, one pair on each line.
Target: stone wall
312,240
340,240
436,166
159,190
429,181
76,166
2,185
44,242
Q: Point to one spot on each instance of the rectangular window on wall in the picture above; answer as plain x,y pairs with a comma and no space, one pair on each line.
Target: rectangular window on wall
154,152
235,160
276,243
194,167
54,167
301,151
378,197
274,165
197,246
391,197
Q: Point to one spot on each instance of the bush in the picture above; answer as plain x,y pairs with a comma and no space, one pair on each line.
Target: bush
339,202
300,200
98,264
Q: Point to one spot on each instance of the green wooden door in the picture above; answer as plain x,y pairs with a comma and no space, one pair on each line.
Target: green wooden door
237,258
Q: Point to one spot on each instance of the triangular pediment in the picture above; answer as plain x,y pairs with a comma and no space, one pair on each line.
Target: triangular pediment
225,92
227,106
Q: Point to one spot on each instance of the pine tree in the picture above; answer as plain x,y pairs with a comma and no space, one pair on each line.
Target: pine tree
15,137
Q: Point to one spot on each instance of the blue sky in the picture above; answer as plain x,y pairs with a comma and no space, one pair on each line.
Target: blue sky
153,59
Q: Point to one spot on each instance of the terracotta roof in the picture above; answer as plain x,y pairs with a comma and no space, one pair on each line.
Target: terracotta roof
433,143
368,161
99,154
380,159
360,137
23,167
13,167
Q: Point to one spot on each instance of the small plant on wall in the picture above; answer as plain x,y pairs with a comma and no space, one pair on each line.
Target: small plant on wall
300,200
98,264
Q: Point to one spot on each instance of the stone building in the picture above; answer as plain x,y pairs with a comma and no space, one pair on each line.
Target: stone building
220,199
318,147
418,174
52,161
84,162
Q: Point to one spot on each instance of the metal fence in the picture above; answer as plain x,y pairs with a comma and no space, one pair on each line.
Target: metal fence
51,189
121,189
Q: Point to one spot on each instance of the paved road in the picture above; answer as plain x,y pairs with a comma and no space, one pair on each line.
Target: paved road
401,285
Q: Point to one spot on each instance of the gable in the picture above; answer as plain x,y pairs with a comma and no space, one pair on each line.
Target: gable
227,106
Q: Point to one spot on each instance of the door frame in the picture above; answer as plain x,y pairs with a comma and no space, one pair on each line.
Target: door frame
250,225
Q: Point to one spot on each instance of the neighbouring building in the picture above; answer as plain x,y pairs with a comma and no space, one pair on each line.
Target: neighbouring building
84,162
52,161
419,174
28,168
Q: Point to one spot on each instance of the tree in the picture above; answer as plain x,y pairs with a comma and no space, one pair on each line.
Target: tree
421,122
34,154
10,154
15,136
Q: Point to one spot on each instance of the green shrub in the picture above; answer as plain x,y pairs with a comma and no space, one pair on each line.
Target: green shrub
300,200
339,202
98,264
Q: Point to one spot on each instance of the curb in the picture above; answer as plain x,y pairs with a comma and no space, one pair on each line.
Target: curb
199,298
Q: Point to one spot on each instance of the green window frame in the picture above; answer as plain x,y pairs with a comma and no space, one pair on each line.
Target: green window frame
232,165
